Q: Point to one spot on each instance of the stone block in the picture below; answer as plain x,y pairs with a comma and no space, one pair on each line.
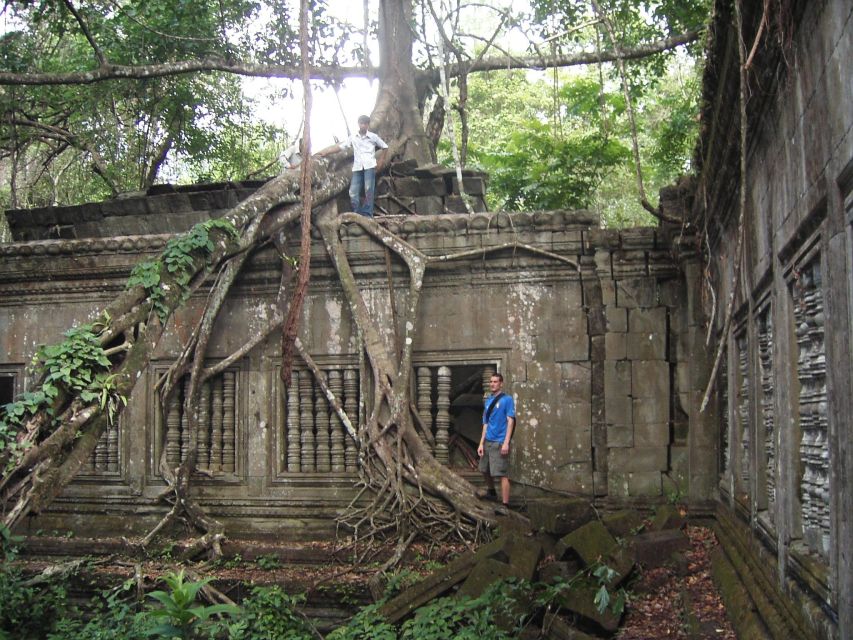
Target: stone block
572,477
667,516
636,292
617,410
649,379
555,628
644,483
599,483
617,379
592,292
646,346
596,349
647,320
429,205
473,186
591,543
615,346
651,434
563,570
559,516
455,204
597,321
624,523
619,435
638,459
608,292
655,548
580,599
543,372
650,410
617,319
486,573
571,347
576,381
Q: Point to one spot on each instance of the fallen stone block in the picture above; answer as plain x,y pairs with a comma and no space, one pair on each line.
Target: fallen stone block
622,524
517,558
563,570
555,628
580,599
656,548
486,573
667,516
591,542
559,516
437,583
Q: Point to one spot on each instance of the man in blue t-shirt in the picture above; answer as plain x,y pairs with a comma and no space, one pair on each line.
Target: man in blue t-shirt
498,423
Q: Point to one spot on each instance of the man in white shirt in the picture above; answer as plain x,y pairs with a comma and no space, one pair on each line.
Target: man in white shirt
364,144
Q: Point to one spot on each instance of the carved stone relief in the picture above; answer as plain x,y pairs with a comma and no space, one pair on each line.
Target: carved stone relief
765,361
812,409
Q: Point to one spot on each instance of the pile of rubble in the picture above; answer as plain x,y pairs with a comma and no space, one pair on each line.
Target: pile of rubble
565,541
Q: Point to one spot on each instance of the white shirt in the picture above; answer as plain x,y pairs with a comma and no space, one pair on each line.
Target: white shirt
363,149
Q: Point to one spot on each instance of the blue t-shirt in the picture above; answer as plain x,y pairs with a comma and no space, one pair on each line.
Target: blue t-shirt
504,408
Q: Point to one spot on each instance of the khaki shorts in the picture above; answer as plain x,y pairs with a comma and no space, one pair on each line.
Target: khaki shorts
492,462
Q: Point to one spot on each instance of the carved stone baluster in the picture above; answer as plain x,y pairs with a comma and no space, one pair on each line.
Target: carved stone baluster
811,371
743,408
725,423
203,457
99,455
425,397
765,352
321,413
112,447
173,431
351,409
306,421
229,430
442,416
293,461
336,386
185,427
216,425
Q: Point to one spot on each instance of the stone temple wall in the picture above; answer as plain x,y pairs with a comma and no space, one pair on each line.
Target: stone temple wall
786,391
591,329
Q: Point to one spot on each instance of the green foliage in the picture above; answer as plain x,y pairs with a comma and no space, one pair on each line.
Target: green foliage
76,366
268,562
111,615
398,582
271,614
182,615
603,597
26,610
367,624
179,258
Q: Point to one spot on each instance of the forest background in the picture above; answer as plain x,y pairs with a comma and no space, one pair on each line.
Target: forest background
549,138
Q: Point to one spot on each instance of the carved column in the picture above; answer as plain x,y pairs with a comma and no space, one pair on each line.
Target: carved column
216,426
293,459
351,409
425,397
173,431
336,386
306,422
203,460
229,426
442,416
321,413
